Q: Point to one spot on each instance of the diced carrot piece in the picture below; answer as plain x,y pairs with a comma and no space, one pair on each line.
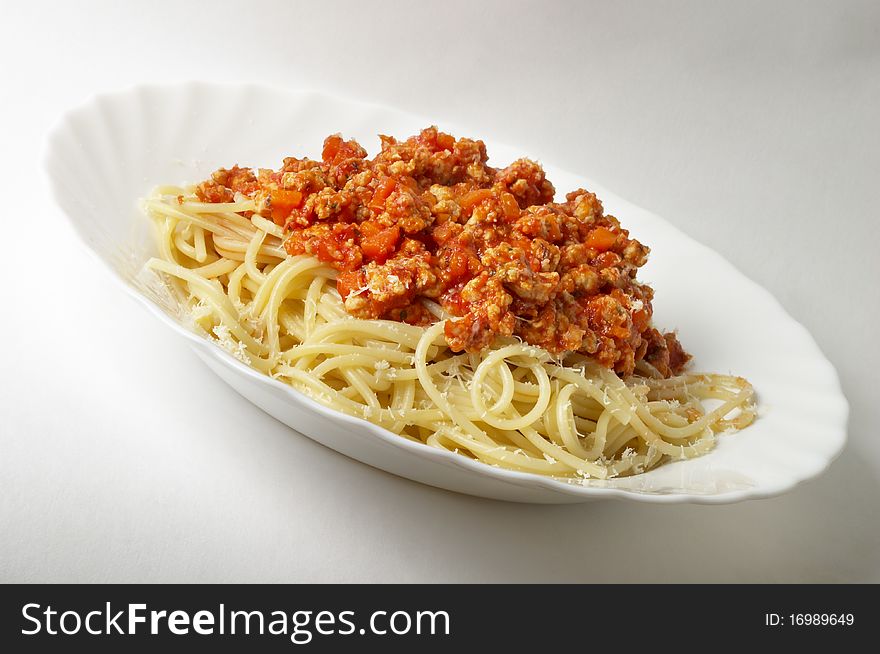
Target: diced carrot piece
283,202
327,250
458,264
346,282
381,244
445,141
640,319
368,228
385,188
510,206
332,144
601,239
473,198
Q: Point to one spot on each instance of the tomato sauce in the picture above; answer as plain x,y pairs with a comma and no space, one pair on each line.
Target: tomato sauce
428,219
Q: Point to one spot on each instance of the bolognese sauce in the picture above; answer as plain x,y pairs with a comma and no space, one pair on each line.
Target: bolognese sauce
428,219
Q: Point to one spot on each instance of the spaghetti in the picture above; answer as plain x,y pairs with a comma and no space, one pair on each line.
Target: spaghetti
512,404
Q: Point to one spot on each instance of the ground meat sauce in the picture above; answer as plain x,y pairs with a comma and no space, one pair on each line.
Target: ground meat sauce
428,218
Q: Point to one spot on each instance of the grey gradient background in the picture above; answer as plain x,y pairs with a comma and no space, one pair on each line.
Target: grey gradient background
752,126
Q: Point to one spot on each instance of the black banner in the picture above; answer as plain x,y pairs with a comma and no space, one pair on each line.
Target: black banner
257,618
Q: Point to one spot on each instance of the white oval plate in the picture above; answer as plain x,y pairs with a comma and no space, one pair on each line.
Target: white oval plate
106,154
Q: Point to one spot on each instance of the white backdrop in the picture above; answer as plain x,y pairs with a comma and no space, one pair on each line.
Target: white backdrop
750,125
